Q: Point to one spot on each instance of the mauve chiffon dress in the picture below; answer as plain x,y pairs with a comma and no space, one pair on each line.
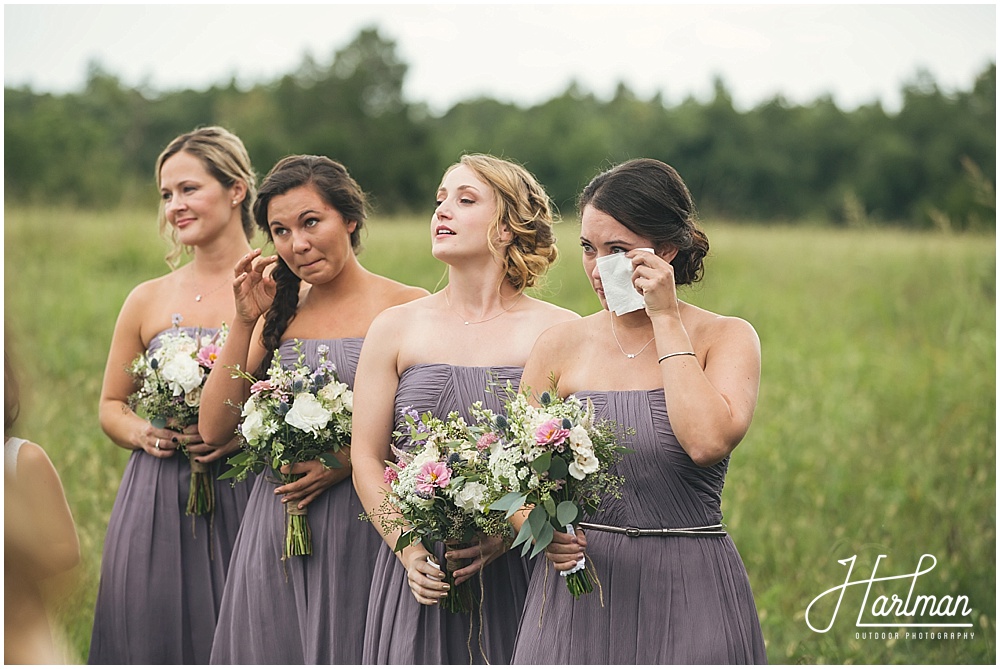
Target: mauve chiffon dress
401,630
162,571
307,609
667,599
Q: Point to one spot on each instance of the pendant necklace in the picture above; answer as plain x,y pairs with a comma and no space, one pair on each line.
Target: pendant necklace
497,315
199,296
630,356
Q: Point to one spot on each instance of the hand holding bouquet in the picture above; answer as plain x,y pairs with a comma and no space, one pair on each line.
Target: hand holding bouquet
437,493
169,381
295,415
555,458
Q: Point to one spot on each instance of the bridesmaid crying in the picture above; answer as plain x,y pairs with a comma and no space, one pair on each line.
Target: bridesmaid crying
674,589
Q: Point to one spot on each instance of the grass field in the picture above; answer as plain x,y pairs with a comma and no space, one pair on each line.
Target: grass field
875,432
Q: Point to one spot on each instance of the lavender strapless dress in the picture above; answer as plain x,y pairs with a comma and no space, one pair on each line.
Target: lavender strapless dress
402,631
308,609
163,572
667,600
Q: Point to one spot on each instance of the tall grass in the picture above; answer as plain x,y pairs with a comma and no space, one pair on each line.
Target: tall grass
875,431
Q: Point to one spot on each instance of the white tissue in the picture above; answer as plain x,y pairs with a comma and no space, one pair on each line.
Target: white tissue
616,279
582,564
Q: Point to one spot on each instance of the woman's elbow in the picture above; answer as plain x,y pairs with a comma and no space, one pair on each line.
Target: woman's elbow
708,452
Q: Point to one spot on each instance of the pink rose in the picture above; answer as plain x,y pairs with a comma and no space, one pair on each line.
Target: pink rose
551,433
390,475
487,440
433,475
261,386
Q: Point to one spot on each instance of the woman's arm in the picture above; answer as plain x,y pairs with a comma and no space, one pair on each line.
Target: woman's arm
51,540
119,422
710,398
375,385
224,393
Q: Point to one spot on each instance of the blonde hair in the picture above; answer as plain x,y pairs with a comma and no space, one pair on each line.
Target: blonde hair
524,209
226,159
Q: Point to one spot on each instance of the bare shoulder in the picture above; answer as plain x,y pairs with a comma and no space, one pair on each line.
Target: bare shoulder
563,333
396,293
550,314
404,313
138,309
711,329
33,463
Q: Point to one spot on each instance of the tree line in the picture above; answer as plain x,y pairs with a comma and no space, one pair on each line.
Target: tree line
932,163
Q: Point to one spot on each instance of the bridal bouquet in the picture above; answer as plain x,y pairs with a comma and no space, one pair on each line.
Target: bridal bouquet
555,458
169,381
437,493
295,415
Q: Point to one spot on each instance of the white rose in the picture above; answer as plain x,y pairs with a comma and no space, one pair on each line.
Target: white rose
192,398
583,465
470,497
183,373
579,440
308,414
348,399
253,422
332,391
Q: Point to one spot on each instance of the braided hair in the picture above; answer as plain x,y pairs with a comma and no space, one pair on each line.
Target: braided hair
339,190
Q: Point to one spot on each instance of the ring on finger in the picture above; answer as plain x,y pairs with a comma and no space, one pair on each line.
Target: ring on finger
157,445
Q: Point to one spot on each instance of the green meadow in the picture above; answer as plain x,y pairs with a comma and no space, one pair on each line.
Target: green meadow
874,435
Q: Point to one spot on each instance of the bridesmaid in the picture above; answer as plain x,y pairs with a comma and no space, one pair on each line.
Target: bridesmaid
162,572
314,292
40,540
678,594
493,229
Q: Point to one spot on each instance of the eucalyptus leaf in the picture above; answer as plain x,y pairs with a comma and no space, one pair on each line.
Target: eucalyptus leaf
543,539
541,463
558,469
566,513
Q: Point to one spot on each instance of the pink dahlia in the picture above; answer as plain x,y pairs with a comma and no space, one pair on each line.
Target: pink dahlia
208,355
551,433
433,475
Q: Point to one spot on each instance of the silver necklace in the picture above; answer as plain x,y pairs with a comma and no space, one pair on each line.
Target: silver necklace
630,356
497,315
199,296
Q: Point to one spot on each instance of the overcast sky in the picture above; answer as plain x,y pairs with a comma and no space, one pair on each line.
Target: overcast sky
523,53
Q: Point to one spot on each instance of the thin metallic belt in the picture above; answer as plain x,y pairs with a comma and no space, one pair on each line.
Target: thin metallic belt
717,530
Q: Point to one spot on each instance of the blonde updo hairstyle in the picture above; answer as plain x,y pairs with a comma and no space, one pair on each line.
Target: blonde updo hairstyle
523,208
226,159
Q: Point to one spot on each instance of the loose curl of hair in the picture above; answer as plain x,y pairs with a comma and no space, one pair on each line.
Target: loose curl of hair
338,189
524,209
11,394
226,159
649,198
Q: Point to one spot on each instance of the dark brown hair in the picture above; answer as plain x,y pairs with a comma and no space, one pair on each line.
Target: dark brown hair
649,198
338,189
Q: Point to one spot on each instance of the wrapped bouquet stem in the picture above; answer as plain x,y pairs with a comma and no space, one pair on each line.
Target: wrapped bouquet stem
298,536
201,495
